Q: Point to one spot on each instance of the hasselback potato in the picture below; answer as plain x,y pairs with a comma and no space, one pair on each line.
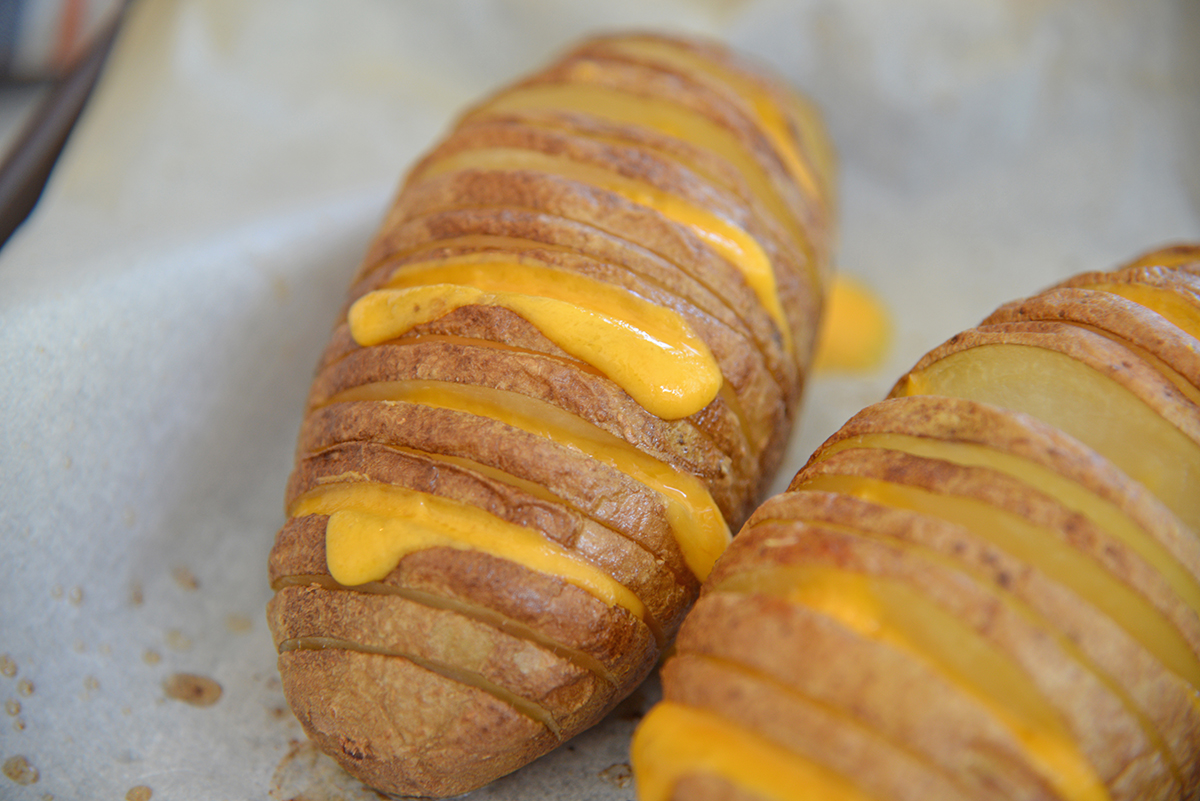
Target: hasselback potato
986,586
567,368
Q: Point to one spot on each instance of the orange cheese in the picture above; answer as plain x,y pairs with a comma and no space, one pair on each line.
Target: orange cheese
373,526
856,330
674,741
697,523
765,108
888,610
725,236
1169,304
650,351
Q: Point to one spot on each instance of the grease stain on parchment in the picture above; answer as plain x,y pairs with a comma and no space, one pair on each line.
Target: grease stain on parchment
192,689
306,774
19,770
185,578
619,775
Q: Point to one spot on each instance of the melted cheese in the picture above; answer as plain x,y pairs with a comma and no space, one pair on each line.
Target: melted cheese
672,119
1174,256
856,330
1165,302
674,741
889,611
1043,550
1075,496
650,351
765,111
730,240
695,520
373,526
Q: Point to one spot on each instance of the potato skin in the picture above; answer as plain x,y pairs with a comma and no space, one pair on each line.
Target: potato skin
460,664
890,694
798,669
752,700
364,709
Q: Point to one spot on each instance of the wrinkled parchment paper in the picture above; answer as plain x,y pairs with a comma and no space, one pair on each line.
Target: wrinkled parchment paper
162,311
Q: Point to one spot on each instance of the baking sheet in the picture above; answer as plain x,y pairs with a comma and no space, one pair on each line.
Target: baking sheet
163,309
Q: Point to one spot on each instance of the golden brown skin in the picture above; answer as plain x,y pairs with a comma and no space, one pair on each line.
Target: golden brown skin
460,666
771,653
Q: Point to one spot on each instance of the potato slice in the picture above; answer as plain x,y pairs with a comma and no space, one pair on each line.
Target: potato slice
615,215
1168,289
393,723
667,102
545,685
516,230
1074,727
562,243
1164,703
758,248
882,687
612,645
1161,343
522,503
807,153
699,529
682,443
626,506
1119,405
816,732
466,720
610,213
1032,527
1025,449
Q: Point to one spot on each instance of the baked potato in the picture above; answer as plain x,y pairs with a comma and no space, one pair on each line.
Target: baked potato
566,368
986,586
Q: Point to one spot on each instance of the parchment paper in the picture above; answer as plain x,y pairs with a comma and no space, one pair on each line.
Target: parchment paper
162,311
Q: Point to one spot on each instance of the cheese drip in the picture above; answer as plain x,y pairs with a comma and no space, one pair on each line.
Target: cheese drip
651,352
696,522
727,238
856,329
674,741
765,110
657,114
373,526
